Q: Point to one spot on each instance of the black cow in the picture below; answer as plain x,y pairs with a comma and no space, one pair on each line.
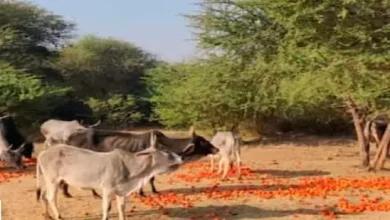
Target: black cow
12,135
190,149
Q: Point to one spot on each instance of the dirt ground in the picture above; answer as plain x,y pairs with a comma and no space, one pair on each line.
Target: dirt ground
271,188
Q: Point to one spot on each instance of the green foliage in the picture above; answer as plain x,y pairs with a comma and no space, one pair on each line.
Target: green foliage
29,36
26,96
288,64
98,66
272,61
118,110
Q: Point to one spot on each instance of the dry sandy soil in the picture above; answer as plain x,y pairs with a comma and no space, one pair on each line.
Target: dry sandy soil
271,167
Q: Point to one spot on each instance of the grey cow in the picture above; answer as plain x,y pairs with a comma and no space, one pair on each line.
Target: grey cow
228,144
192,148
116,172
59,131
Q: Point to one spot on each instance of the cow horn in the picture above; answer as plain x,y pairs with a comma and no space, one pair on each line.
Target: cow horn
96,124
153,140
20,148
150,149
189,146
9,147
192,131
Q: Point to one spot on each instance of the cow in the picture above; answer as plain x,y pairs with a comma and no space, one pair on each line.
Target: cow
190,149
14,138
116,173
228,144
58,130
12,157
374,129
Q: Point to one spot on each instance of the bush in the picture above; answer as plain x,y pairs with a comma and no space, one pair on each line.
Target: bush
118,110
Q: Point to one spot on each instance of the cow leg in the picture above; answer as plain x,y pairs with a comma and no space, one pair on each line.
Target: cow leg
211,163
238,162
225,162
43,196
220,164
95,195
120,201
151,181
65,189
106,204
141,192
154,190
51,196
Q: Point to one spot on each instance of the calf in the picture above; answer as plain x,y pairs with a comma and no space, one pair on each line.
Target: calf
14,138
117,172
192,148
228,144
59,131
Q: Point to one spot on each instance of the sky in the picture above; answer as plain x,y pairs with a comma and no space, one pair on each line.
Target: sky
154,25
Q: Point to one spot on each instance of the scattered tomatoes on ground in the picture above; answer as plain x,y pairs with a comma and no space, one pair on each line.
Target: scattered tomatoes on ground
13,173
255,184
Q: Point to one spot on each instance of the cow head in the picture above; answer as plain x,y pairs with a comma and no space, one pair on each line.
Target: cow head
13,157
198,146
163,161
27,150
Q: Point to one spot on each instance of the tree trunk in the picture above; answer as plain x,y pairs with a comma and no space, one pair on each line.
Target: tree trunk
383,150
363,144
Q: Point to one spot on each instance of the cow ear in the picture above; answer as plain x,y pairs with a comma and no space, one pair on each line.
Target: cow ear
189,149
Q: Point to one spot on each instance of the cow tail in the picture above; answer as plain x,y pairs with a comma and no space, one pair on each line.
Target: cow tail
38,190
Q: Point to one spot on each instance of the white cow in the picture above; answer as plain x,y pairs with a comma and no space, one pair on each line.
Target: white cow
59,131
228,144
117,173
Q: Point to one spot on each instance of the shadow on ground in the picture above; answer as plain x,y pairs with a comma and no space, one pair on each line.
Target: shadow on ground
293,173
205,212
299,140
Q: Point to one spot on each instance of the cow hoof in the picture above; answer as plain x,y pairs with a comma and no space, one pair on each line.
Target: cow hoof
67,195
156,192
95,195
47,216
142,194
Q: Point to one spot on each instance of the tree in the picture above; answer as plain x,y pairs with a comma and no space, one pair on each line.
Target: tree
30,36
292,58
107,73
98,66
341,53
25,96
118,110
